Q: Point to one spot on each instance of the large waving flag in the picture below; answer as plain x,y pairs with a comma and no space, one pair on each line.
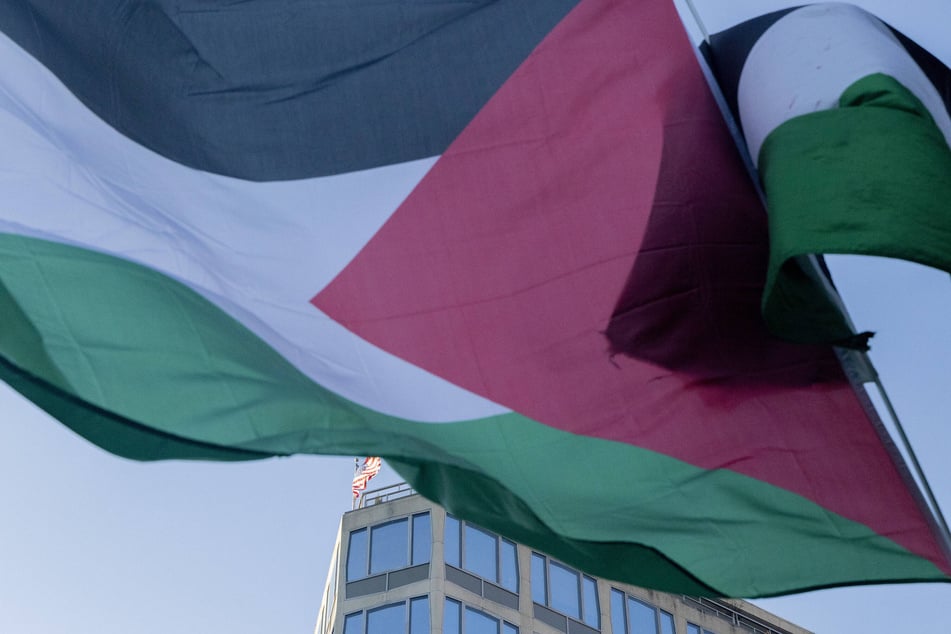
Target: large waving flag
848,122
506,245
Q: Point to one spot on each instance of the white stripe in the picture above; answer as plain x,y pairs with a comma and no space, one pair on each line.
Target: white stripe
805,61
260,251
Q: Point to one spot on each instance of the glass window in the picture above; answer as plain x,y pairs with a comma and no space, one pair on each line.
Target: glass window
618,619
419,615
667,623
480,623
460,619
509,573
693,629
451,621
389,619
590,612
566,590
422,539
388,546
452,542
357,555
643,617
479,553
707,632
563,584
353,623
539,580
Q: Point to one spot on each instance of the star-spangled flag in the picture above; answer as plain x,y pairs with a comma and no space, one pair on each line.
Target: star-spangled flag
500,244
364,473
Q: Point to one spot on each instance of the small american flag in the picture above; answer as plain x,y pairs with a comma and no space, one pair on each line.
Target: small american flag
371,467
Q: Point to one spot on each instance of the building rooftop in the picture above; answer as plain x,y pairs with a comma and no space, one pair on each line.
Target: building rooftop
403,565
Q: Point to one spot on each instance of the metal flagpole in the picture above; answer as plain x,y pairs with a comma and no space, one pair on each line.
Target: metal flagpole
915,465
696,18
355,496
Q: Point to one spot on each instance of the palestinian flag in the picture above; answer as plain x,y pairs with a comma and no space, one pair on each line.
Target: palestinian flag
509,246
848,123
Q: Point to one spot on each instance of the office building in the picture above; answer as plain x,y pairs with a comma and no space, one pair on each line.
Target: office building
402,565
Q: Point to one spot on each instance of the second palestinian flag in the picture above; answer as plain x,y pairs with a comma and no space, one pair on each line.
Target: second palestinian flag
847,122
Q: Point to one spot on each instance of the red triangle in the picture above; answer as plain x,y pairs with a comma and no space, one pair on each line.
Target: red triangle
504,268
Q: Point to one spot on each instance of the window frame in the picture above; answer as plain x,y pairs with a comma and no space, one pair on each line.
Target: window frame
366,556
407,605
503,626
625,616
502,547
584,608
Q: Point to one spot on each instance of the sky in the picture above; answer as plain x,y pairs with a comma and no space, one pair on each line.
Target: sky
94,543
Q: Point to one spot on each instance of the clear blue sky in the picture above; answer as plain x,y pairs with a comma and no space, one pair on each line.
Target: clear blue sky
94,543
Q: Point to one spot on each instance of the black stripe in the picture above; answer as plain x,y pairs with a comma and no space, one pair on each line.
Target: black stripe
727,52
280,89
934,68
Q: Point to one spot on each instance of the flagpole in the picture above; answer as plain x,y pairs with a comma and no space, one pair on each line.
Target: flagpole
355,497
916,466
857,364
914,476
696,18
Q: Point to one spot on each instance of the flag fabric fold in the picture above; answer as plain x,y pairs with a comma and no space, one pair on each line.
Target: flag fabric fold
537,259
848,123
364,473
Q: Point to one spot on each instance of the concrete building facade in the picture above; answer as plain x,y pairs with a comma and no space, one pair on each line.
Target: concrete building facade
403,565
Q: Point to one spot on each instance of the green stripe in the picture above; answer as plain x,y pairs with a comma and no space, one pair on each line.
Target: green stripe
633,515
872,177
125,339
146,368
111,431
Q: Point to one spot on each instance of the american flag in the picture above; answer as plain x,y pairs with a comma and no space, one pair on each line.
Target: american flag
371,467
